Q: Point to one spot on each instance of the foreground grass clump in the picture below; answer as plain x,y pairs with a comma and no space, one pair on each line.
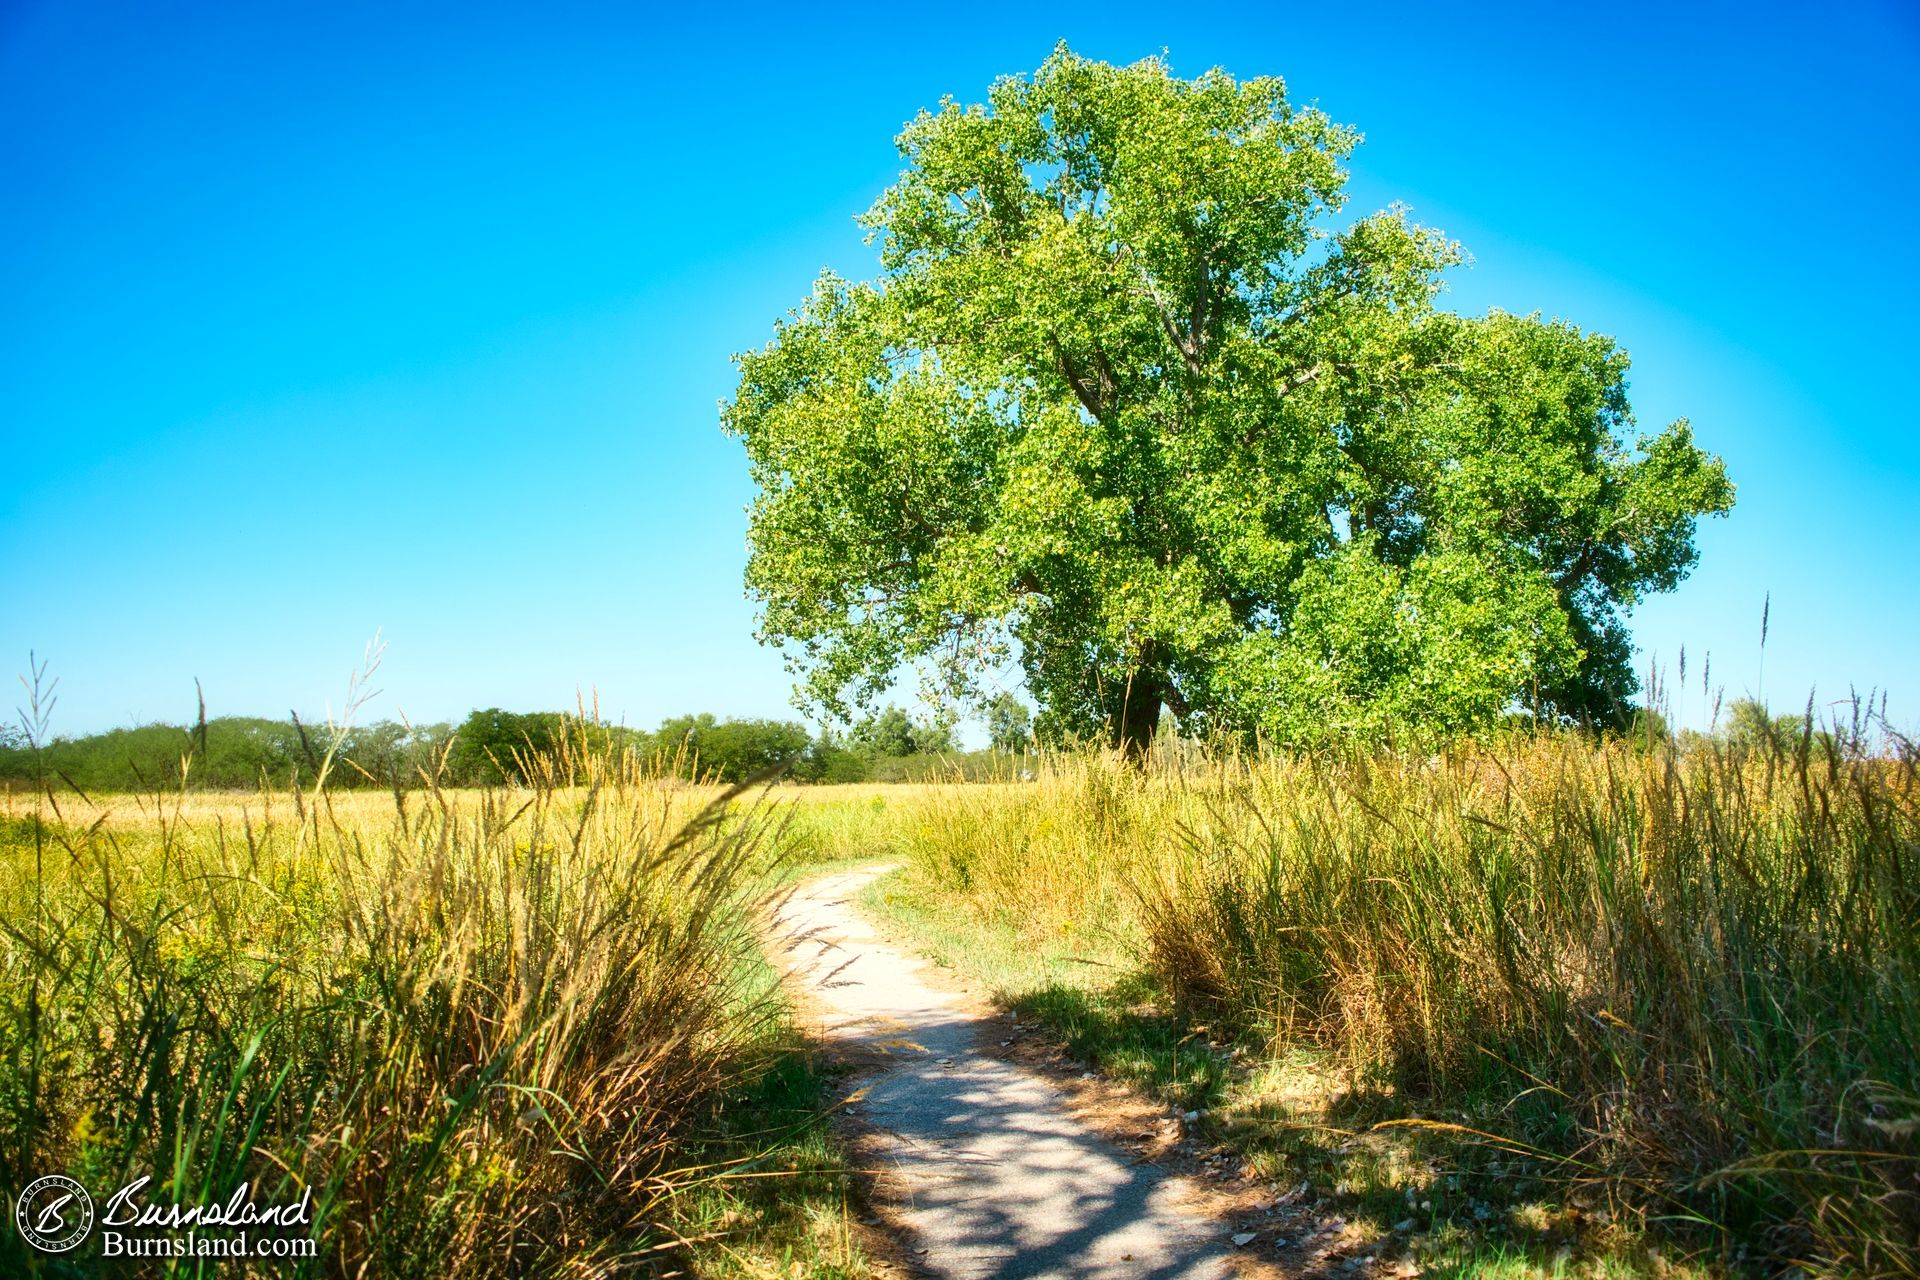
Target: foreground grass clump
482,1027
767,1190
1592,983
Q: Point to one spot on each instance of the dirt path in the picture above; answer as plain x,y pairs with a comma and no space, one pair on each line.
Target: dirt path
985,1164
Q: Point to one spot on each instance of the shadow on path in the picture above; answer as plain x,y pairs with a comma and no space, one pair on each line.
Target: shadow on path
998,1177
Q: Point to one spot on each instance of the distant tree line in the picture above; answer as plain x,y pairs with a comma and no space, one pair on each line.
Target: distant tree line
493,746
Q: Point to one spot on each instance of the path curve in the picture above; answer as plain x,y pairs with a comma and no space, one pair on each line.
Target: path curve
998,1178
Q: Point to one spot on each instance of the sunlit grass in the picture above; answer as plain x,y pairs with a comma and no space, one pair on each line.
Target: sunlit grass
1547,1007
1667,1004
506,1032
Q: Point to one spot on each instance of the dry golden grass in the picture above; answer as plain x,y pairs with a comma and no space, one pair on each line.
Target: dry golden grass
476,1025
1685,984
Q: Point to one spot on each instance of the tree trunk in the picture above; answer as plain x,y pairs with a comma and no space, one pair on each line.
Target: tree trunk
1137,716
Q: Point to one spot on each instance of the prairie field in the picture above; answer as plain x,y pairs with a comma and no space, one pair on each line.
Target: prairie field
523,1031
1546,996
1541,997
1545,1005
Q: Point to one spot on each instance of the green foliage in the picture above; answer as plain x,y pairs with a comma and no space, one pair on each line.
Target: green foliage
391,753
1649,727
888,734
786,1215
830,762
1009,724
492,746
1750,727
732,750
229,752
893,732
1127,404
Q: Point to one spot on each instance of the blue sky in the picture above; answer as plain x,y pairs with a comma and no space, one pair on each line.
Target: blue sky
322,319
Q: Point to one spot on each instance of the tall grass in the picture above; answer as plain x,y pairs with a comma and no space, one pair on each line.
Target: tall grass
1684,984
474,1024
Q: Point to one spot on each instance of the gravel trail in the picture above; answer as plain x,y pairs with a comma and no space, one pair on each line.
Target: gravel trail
993,1175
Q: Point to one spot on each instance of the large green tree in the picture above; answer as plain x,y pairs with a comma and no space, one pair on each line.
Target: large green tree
1130,404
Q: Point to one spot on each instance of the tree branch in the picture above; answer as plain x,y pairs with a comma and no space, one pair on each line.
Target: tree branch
1196,344
1189,346
1292,384
1582,565
1083,389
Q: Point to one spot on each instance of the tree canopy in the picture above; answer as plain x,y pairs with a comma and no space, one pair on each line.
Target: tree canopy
732,750
492,744
1128,404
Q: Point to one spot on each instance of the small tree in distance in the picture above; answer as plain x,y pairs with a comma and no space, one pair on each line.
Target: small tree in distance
1009,724
732,750
893,733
